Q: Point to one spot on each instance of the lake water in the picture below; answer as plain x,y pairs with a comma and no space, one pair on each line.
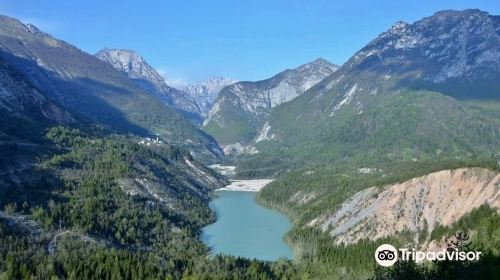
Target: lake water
244,228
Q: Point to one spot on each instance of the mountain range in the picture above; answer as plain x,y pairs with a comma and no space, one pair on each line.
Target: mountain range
146,77
420,87
205,92
92,89
242,108
103,165
193,100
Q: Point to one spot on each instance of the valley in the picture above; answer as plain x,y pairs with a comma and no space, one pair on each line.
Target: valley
110,171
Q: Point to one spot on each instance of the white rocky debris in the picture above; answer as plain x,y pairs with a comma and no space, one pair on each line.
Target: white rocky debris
348,96
246,185
264,133
226,170
141,187
201,173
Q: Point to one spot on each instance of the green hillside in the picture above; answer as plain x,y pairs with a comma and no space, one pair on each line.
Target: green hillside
410,126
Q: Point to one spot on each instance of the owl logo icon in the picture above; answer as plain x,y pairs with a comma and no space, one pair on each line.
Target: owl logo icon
386,255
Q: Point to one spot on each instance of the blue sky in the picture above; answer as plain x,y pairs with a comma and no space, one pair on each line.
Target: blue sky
246,40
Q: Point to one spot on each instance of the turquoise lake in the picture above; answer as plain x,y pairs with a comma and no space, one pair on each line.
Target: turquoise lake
246,229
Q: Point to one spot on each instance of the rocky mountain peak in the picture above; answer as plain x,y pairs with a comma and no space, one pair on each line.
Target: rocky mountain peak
14,27
9,23
254,101
324,62
319,65
449,44
33,29
137,68
398,27
205,92
130,62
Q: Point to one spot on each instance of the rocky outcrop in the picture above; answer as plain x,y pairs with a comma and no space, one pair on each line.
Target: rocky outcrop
145,76
204,93
20,99
242,108
409,71
439,198
87,88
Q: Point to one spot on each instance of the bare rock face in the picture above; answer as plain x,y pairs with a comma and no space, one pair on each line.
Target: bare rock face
20,99
449,54
193,176
205,93
137,69
86,87
439,198
243,107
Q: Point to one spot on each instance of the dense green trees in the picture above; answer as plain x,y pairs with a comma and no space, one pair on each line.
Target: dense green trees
90,228
411,126
332,186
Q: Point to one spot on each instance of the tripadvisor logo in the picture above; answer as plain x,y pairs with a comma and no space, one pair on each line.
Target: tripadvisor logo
387,255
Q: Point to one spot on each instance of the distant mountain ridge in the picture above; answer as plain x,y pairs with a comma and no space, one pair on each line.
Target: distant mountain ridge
204,93
242,108
399,82
90,88
434,53
136,68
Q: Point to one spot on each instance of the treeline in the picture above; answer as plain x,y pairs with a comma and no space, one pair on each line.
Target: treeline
330,187
411,126
114,235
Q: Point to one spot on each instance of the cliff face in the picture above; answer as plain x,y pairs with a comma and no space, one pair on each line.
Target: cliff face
438,198
204,93
241,109
146,77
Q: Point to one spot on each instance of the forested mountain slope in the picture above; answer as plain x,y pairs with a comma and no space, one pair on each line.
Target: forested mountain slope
89,87
413,93
90,198
241,109
147,78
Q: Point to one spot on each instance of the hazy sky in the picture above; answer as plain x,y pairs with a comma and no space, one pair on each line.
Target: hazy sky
246,40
